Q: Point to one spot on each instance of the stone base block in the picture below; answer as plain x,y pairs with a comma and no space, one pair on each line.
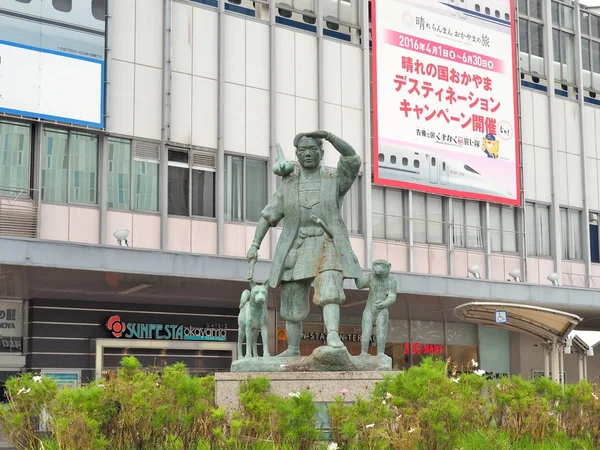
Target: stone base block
324,386
322,359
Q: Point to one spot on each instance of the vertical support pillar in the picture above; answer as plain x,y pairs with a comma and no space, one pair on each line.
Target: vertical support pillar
103,188
368,207
579,80
549,67
488,243
580,360
585,367
450,237
411,240
272,186
555,363
220,197
546,361
561,354
320,74
166,125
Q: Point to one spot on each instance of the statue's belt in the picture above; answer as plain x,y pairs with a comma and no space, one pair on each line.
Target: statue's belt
306,232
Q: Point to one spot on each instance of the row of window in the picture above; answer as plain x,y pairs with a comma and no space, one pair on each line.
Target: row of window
69,174
432,223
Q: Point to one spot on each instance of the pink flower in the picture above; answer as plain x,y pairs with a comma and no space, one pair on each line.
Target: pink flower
344,391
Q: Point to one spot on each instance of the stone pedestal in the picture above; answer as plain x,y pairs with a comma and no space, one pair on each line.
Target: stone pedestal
324,386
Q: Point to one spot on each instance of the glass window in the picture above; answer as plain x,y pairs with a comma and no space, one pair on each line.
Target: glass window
473,225
537,39
257,193
435,218
118,176
535,9
145,185
584,22
570,223
585,54
253,189
203,193
523,37
595,25
191,189
555,13
458,223
69,160
419,216
427,339
394,214
596,57
179,183
15,158
523,7
378,211
537,229
54,165
351,207
83,167
388,213
98,9
234,190
461,339
502,228
63,5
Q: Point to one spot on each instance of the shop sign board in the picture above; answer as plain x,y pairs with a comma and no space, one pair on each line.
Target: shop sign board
134,330
445,111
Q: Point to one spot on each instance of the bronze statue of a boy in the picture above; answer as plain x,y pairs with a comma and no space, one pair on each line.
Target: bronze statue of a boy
314,247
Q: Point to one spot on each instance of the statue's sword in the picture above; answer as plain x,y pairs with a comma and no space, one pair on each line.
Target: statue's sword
320,222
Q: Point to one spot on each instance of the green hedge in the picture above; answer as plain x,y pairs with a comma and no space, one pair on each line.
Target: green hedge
424,407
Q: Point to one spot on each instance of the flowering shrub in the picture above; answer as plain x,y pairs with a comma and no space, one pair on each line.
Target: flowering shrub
425,407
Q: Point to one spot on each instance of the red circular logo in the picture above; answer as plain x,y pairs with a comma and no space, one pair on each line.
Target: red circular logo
115,325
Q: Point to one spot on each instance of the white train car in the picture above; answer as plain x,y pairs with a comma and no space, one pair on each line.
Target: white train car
69,26
405,165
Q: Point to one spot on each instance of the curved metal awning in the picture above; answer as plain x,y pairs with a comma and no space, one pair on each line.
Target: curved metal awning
543,323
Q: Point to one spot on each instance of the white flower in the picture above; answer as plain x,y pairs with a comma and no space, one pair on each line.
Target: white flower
455,380
383,402
411,430
371,425
100,385
595,396
388,395
294,394
332,446
479,372
37,379
23,391
474,363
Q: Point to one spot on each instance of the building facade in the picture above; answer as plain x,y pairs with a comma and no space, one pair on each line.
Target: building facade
196,93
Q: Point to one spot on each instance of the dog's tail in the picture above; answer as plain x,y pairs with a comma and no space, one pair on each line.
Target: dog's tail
244,298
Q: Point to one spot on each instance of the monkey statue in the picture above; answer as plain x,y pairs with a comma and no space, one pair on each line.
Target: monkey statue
382,293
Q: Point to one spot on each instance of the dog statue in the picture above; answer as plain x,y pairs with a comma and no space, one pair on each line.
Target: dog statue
253,318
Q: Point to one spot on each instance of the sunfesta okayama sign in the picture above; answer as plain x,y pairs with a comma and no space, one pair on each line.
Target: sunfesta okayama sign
134,330
445,98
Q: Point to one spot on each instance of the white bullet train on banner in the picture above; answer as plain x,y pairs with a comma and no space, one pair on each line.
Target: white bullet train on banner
490,11
70,26
409,166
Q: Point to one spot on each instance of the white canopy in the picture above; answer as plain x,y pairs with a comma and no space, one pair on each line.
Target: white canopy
543,323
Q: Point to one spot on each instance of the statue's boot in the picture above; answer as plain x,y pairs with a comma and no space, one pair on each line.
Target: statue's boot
294,334
331,317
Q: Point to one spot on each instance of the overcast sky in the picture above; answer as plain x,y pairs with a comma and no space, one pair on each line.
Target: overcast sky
590,2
